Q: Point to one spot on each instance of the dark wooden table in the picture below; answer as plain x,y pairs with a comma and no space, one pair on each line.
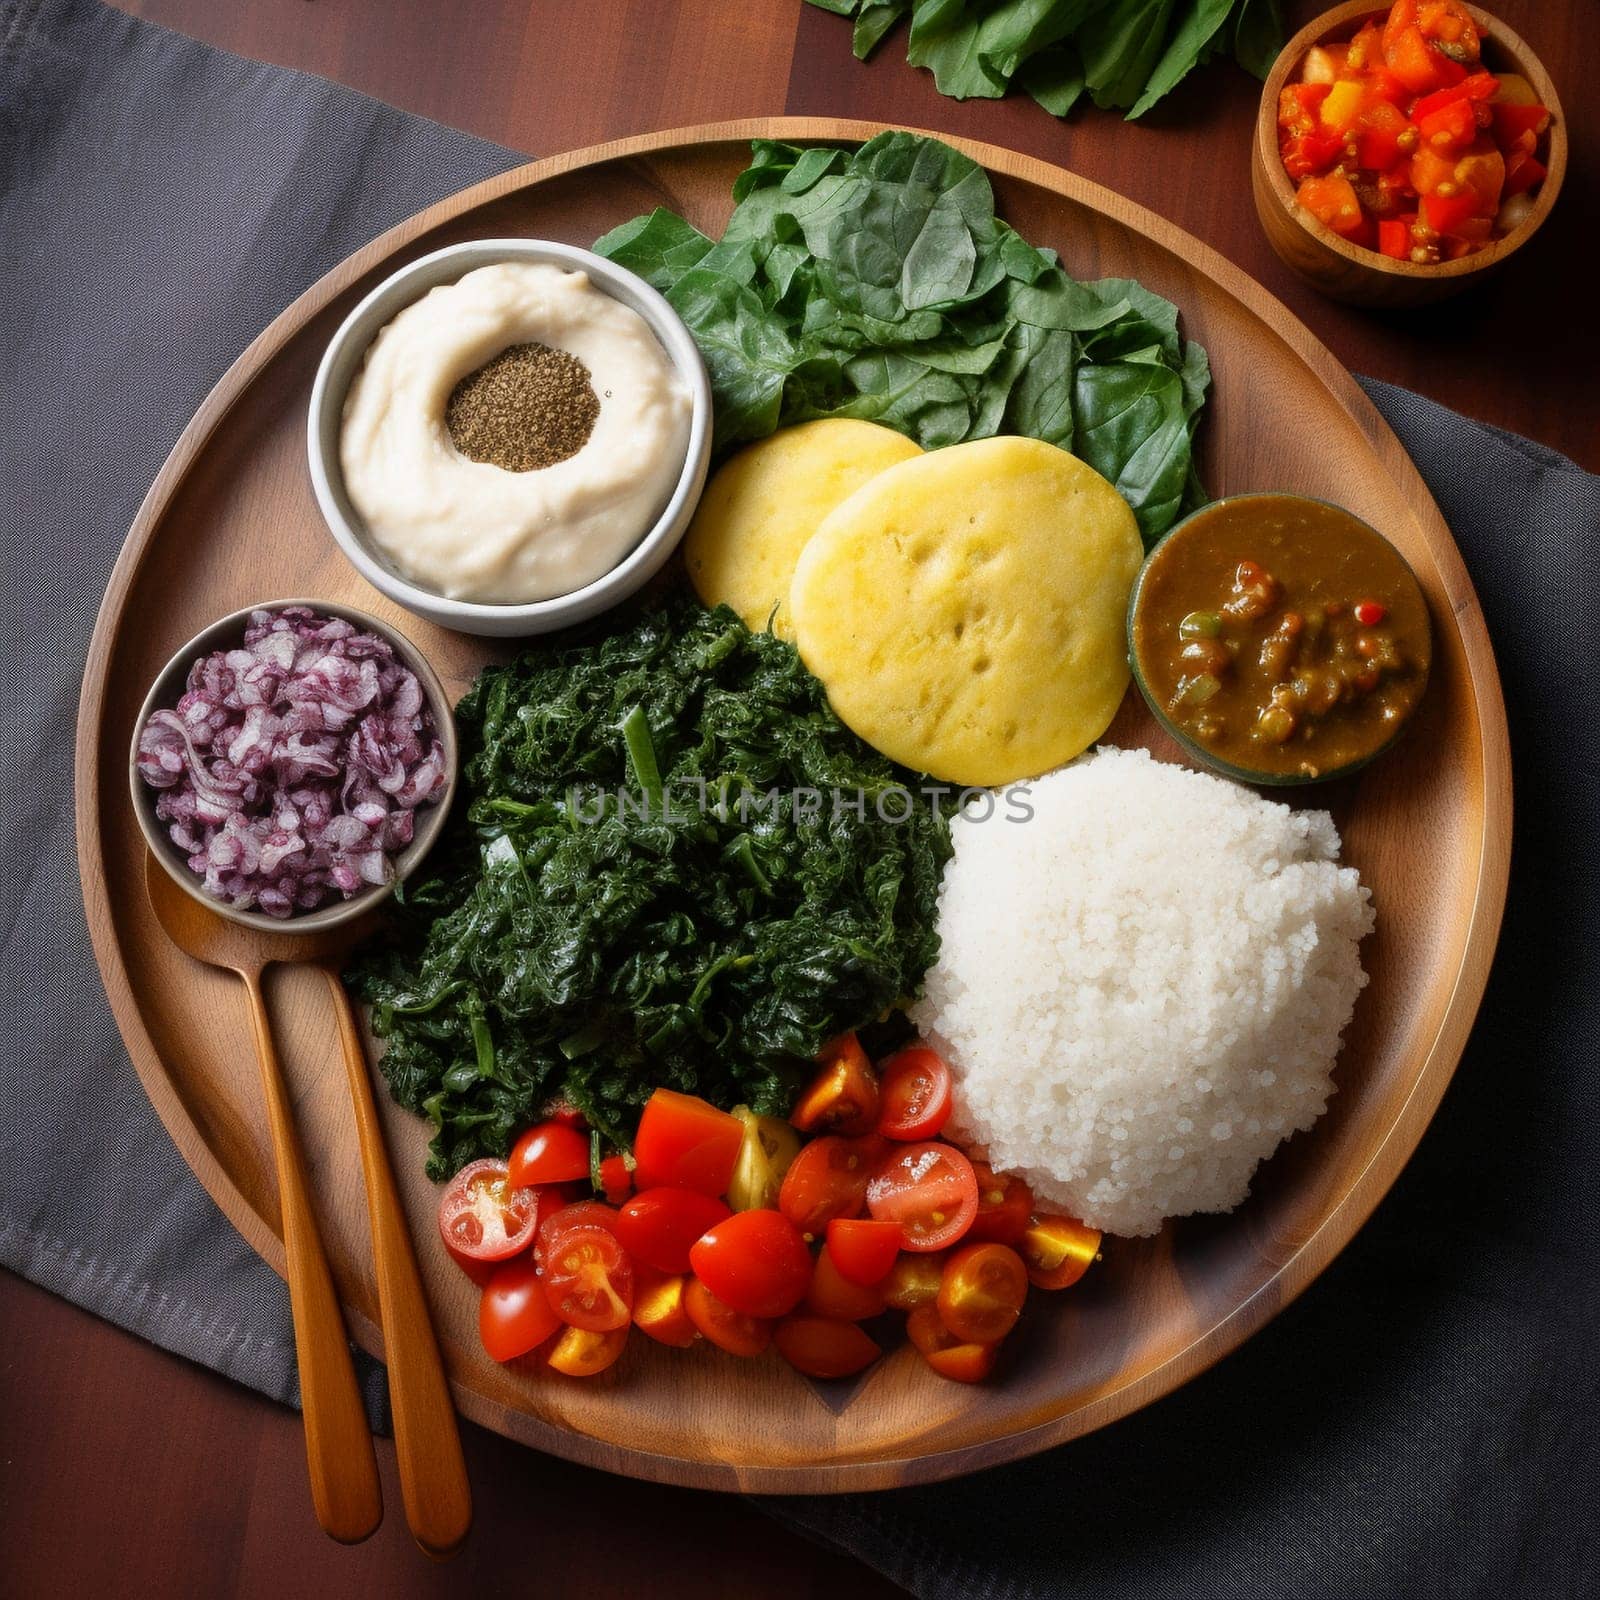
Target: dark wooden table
85,1502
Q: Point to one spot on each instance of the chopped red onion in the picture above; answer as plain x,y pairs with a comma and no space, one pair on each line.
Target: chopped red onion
291,768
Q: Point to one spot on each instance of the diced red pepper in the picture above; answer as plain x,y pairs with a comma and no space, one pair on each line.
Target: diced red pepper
1394,238
1445,214
1510,122
1378,140
1306,155
1479,86
1523,172
1451,126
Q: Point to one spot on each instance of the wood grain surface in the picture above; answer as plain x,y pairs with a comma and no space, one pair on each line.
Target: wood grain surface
79,1400
1160,1310
544,75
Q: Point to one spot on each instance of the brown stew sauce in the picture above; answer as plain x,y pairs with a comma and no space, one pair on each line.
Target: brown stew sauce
1282,635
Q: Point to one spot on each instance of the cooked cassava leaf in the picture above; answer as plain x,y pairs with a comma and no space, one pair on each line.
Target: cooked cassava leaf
1127,53
669,865
881,285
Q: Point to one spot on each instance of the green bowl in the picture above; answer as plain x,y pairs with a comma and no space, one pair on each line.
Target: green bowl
1192,746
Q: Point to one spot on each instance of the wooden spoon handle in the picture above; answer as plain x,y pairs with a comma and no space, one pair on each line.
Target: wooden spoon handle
339,1453
433,1475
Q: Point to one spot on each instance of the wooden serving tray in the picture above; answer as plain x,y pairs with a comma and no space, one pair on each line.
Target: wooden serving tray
231,519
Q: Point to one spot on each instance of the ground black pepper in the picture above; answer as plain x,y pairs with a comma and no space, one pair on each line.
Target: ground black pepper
528,408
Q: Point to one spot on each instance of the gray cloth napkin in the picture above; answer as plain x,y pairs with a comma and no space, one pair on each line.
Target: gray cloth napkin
1422,1421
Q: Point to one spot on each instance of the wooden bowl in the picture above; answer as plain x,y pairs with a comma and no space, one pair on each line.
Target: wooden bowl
1353,273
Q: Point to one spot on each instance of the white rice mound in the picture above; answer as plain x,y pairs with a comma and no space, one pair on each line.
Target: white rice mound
1140,990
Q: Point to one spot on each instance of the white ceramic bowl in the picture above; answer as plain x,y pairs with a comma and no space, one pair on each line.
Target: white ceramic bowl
343,360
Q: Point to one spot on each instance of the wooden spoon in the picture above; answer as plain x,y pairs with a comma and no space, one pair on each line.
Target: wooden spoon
344,1472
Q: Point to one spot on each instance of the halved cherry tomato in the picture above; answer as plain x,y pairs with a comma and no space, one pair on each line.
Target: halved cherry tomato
914,1281
588,1280
685,1142
930,1190
950,1357
754,1262
821,1347
549,1152
727,1329
863,1249
1057,1251
513,1313
580,1214
616,1179
658,1225
981,1293
828,1179
916,1094
658,1308
484,1217
843,1097
582,1352
833,1295
1005,1203
768,1148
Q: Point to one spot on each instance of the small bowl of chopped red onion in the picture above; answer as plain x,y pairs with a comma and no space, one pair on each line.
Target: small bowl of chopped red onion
293,763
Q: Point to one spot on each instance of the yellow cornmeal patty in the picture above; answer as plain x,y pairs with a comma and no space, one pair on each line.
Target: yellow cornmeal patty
966,610
758,512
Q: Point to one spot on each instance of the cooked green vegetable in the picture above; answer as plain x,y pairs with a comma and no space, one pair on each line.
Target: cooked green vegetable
881,285
565,943
1126,53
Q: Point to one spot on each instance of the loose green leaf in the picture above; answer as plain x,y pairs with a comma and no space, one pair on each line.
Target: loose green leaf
1128,53
881,285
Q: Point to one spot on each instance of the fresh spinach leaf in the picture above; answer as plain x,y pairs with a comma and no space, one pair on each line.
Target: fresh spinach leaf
1128,53
881,285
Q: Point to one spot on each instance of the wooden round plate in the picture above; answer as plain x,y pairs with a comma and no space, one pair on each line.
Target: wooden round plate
231,519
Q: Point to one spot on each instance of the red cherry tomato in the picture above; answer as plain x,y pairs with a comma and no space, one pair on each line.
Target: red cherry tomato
563,1111
484,1217
580,1214
981,1292
658,1308
513,1314
726,1328
1057,1251
755,1262
823,1348
930,1190
833,1295
1369,613
843,1097
1005,1203
916,1094
549,1153
658,1226
616,1179
588,1280
684,1142
953,1358
862,1249
581,1353
828,1179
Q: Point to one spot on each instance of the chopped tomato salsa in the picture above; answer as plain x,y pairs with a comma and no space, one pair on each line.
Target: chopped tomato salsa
1400,139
